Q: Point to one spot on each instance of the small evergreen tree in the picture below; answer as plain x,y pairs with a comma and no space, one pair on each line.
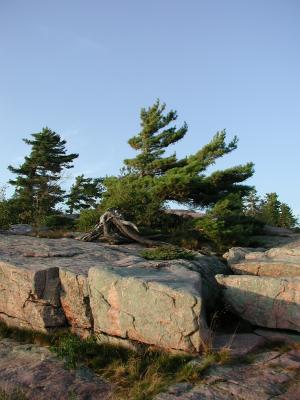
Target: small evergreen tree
84,193
37,184
286,217
226,225
270,209
252,204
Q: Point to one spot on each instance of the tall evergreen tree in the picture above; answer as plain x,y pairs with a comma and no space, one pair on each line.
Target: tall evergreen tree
162,179
37,183
84,193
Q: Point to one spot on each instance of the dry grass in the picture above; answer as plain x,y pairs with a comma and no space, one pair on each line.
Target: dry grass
137,375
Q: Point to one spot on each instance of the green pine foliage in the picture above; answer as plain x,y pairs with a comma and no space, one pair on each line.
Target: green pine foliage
286,217
151,142
270,210
137,199
150,180
37,183
85,193
225,225
167,253
88,219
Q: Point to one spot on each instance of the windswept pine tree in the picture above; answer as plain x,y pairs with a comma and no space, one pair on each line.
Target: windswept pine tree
37,184
152,179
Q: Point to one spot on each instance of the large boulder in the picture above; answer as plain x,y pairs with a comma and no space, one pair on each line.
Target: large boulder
163,307
264,301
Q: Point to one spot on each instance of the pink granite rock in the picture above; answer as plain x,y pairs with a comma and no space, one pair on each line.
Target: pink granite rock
38,374
277,262
239,344
264,301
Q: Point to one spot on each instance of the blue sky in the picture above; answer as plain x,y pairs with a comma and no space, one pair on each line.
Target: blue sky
85,68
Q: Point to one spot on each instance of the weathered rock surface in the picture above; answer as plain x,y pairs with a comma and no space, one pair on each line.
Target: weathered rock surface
271,375
163,307
264,301
38,374
21,229
276,262
29,295
44,285
238,344
278,336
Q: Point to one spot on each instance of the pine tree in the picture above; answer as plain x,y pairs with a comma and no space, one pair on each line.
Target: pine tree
156,135
286,217
37,183
251,203
84,193
152,180
270,209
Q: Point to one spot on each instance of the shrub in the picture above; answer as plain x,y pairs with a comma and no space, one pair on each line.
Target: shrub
57,221
226,232
87,220
226,226
135,198
167,253
8,214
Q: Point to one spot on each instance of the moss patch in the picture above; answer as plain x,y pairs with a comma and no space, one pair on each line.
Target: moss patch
167,253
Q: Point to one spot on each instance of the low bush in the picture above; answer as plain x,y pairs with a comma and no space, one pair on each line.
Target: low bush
8,213
87,220
58,221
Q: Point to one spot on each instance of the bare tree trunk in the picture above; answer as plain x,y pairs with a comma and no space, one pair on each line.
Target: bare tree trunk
111,225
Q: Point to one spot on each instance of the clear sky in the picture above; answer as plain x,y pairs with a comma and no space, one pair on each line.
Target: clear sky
85,68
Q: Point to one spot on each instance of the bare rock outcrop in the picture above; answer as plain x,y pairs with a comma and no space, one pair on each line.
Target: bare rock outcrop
275,262
38,374
264,301
271,375
54,283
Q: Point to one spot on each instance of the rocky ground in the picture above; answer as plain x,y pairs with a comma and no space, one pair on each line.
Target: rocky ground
37,374
115,295
270,375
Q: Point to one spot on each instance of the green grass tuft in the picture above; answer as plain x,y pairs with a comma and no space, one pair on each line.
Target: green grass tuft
137,375
15,395
167,253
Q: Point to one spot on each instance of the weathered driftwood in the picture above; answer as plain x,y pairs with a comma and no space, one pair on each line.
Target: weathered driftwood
114,229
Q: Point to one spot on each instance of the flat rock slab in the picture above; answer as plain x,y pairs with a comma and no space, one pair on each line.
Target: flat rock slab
271,375
162,307
277,262
240,344
38,374
278,336
264,301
